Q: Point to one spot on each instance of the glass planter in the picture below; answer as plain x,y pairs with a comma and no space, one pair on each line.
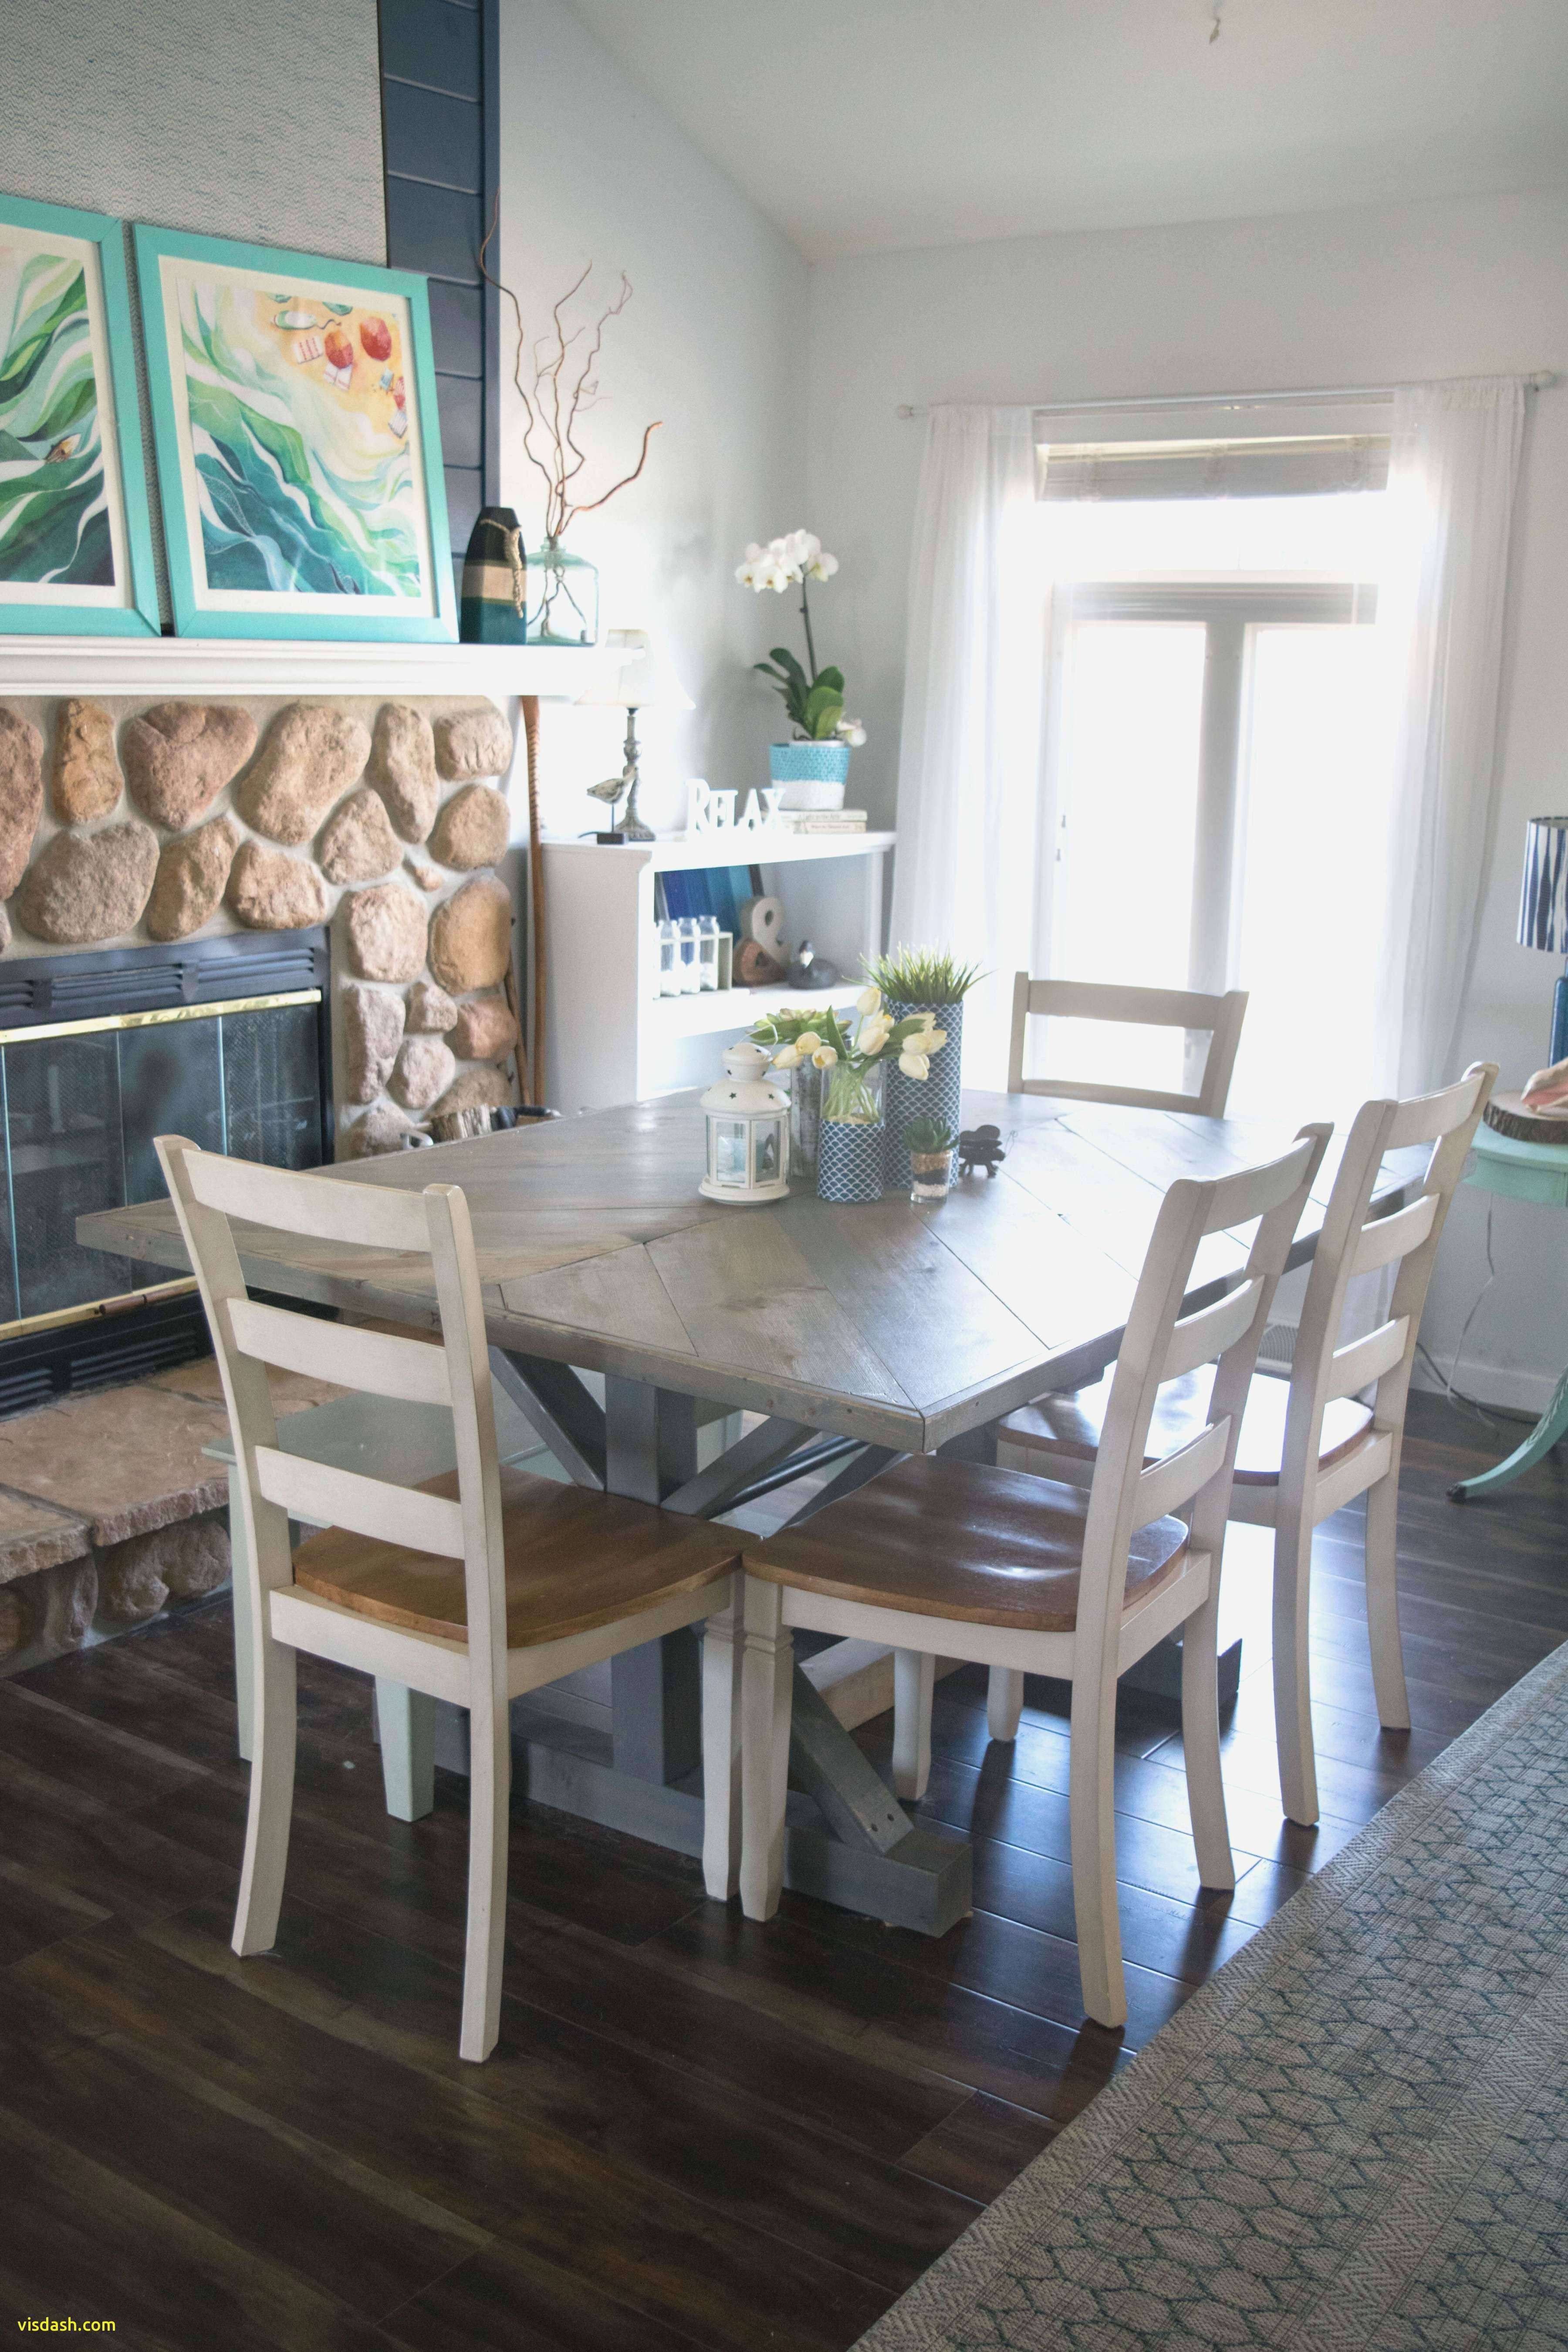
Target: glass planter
805,1120
930,1175
562,598
849,1145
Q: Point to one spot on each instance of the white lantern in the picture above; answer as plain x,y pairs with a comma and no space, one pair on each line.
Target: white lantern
748,1131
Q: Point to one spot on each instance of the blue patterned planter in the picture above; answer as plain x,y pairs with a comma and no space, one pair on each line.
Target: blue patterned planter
848,1161
809,763
937,1095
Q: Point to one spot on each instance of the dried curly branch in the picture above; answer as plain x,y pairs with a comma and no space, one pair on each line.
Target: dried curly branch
553,404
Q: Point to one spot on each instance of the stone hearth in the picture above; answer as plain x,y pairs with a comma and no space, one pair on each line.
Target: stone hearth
110,1510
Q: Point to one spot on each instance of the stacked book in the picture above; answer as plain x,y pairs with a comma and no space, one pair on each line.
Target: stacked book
821,820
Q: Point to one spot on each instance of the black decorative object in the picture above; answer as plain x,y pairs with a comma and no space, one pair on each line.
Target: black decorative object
981,1147
491,606
808,970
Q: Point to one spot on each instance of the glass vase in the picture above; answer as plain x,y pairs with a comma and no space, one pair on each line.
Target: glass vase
849,1145
562,598
938,1095
805,1120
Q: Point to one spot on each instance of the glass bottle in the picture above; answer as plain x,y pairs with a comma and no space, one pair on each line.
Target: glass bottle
690,970
669,960
708,950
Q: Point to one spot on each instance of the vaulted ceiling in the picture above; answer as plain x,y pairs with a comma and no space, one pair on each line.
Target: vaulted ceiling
863,124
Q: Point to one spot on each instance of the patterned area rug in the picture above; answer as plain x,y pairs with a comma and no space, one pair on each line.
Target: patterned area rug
1355,2137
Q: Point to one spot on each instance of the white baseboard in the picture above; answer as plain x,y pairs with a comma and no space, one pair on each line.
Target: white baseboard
1508,1387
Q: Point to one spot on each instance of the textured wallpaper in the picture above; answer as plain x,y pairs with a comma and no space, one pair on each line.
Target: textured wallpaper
255,118
251,119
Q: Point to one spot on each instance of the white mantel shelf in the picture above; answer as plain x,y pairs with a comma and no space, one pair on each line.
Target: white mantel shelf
204,667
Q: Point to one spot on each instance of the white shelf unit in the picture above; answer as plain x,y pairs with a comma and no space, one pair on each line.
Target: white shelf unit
609,1036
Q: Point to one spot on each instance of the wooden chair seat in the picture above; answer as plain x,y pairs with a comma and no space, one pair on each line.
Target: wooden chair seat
574,1559
1071,1423
961,1540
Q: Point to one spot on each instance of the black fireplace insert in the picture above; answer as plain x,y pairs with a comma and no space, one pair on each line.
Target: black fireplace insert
227,1040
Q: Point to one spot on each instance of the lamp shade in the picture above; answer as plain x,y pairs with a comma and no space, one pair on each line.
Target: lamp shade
642,678
1543,898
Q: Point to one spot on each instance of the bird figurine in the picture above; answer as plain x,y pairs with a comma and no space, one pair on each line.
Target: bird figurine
611,790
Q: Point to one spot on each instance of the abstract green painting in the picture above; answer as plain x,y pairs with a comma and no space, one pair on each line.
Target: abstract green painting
75,550
298,451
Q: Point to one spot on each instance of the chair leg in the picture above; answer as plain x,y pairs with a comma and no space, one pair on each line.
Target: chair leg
1383,1602
273,1724
490,1791
766,1708
914,1681
1003,1702
406,1727
1200,1744
1293,1669
721,1656
1092,1821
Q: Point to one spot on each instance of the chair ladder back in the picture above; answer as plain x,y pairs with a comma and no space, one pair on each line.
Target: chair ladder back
1275,1196
1124,1495
215,1261
1162,1008
274,1486
1353,1242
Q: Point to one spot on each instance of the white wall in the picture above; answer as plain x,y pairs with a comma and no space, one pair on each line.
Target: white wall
712,341
1474,287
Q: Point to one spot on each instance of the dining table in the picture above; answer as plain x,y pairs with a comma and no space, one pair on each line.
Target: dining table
622,1306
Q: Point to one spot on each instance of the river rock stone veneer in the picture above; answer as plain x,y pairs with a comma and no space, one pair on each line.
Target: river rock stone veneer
167,819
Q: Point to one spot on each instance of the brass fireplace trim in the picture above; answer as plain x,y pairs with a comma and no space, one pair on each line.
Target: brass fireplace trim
99,1310
35,1032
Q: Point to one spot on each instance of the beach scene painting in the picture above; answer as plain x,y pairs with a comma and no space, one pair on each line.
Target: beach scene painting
72,557
299,454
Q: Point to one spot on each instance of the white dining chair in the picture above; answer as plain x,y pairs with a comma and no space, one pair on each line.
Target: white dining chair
1157,1008
473,1587
1334,1430
938,1557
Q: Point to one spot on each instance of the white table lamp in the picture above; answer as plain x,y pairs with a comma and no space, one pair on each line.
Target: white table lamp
642,679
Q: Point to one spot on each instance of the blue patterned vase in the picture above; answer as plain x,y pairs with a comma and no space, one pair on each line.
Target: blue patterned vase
849,1139
938,1095
848,1161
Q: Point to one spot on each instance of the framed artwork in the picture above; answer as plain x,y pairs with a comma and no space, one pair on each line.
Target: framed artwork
297,445
75,546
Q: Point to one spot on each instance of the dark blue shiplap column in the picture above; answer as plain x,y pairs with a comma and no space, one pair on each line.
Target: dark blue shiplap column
441,143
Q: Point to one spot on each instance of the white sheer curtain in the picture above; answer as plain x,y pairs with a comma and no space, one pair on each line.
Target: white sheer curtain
966,872
1452,474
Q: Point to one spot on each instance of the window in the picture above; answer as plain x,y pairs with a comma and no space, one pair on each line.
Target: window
1216,750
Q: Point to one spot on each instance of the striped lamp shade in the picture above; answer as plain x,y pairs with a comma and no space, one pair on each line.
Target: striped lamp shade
1543,899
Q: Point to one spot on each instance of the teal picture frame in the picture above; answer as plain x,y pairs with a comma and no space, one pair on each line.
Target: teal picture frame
74,611
263,497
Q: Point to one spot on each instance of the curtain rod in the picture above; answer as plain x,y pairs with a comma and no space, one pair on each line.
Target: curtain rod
1537,381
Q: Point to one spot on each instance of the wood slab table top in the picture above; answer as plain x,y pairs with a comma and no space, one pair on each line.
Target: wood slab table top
903,1326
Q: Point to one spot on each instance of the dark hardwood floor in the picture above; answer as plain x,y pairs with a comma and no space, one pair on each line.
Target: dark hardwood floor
695,2132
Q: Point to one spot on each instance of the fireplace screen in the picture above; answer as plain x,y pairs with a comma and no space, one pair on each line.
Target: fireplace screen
81,1109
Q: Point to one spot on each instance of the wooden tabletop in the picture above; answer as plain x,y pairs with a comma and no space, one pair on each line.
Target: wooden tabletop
903,1326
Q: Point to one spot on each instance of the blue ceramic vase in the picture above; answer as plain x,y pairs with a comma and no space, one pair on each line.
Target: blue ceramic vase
938,1095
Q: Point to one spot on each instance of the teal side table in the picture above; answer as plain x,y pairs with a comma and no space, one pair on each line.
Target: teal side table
1521,1172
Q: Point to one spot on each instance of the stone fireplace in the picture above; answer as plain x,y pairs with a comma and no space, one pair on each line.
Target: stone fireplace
260,894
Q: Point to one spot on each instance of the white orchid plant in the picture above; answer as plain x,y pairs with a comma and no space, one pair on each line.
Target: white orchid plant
813,698
824,1041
